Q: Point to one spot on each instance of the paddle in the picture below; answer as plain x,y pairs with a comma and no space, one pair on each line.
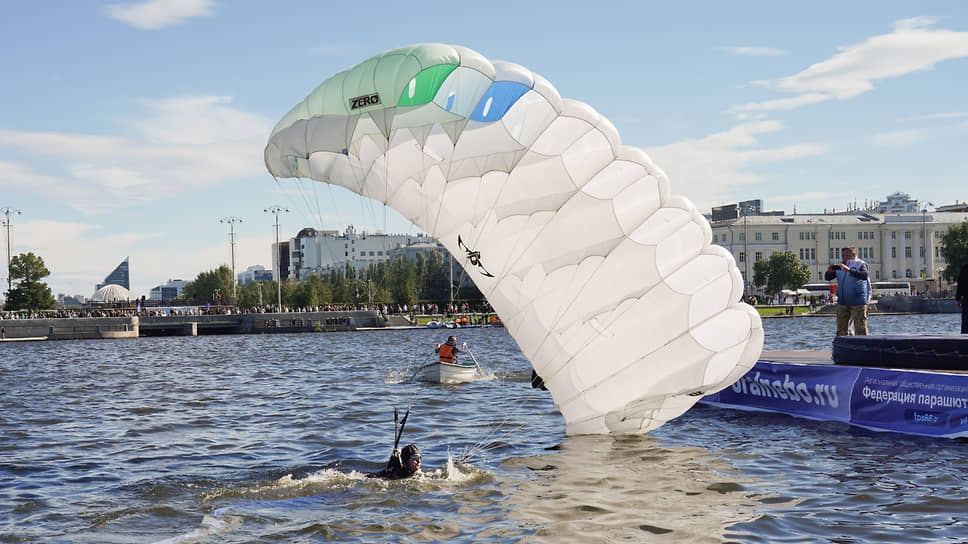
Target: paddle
479,369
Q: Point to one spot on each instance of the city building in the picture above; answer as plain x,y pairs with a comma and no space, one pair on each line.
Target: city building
255,273
750,207
899,203
956,207
119,276
316,251
69,301
904,246
281,257
168,291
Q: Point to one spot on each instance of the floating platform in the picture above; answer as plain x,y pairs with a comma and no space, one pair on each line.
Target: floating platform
809,384
938,352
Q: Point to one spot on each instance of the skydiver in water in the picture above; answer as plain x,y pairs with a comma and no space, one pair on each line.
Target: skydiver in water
402,464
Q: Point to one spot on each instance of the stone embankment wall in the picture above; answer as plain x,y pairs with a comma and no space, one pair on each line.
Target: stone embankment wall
186,325
69,328
917,305
904,305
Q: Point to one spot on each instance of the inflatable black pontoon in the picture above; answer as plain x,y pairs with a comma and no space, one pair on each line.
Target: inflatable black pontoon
940,352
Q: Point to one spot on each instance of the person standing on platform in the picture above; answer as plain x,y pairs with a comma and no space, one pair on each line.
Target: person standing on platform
853,291
961,297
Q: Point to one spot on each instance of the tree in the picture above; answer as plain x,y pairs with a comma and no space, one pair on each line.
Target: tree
311,292
257,293
435,278
403,273
30,293
783,270
207,287
954,249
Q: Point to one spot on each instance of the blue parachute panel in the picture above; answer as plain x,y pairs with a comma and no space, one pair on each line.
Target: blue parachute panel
498,100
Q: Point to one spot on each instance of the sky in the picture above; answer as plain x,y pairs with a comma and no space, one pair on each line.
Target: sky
135,128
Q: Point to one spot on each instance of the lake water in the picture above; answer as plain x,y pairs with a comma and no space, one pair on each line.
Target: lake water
265,439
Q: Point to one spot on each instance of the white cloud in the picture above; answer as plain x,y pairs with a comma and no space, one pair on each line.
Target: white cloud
936,116
897,137
179,144
79,255
754,51
198,120
155,14
707,170
914,45
778,104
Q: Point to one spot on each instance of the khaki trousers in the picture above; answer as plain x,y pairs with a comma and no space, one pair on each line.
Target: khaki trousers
856,314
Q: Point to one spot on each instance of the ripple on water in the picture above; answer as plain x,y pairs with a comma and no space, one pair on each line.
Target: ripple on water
266,438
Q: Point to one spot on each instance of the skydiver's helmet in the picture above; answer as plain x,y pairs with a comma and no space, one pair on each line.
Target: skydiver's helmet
410,458
452,340
409,451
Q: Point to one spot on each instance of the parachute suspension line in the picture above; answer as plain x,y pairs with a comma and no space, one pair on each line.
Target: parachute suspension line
382,278
317,209
502,431
307,188
454,259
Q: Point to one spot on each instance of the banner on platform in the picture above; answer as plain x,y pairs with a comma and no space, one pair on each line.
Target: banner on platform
912,402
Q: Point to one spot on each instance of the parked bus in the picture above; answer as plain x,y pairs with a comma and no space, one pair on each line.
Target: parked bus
820,289
889,288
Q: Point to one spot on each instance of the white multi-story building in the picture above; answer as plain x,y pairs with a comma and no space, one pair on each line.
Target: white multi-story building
254,273
896,246
168,291
318,250
900,203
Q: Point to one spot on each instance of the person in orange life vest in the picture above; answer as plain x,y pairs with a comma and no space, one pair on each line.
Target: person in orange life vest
448,351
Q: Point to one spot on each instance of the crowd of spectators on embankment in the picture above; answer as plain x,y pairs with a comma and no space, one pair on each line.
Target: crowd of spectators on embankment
124,310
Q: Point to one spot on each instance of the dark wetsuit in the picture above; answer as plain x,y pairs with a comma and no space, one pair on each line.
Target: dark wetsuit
397,465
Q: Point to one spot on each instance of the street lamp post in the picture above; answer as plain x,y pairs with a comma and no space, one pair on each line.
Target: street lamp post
276,210
232,221
924,249
6,223
746,251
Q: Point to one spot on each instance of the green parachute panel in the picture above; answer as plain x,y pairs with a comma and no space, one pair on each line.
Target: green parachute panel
424,86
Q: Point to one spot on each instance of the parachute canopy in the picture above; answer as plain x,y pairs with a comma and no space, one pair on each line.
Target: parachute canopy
607,281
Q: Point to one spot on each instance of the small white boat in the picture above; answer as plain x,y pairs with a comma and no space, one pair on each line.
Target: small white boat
447,373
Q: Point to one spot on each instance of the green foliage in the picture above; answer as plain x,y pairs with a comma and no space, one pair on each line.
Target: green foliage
403,290
257,293
434,278
783,270
26,270
954,249
311,292
207,287
396,282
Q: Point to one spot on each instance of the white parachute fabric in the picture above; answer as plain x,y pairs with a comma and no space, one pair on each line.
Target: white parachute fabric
606,280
